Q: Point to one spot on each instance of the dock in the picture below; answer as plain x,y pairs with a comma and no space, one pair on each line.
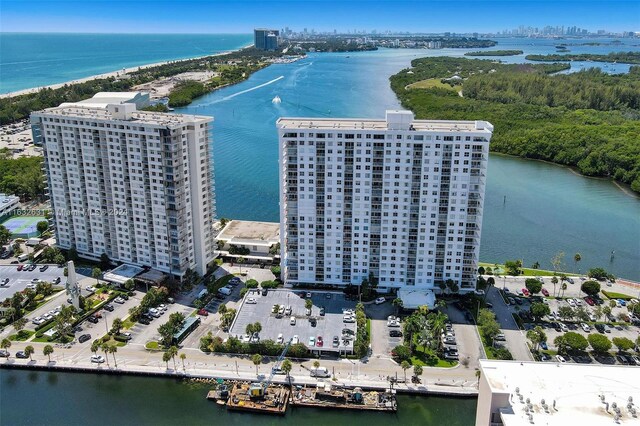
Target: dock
327,396
274,400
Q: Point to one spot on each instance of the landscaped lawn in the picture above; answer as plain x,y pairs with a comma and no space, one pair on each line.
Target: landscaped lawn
527,272
21,336
613,295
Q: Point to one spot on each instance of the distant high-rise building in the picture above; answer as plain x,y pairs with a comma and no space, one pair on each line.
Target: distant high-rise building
134,185
265,39
397,198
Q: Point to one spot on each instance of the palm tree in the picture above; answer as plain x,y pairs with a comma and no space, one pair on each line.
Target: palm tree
249,329
405,366
173,351
316,364
183,356
240,261
112,350
166,357
19,324
29,350
413,324
438,321
554,281
417,370
5,344
397,303
286,368
257,360
95,347
563,287
95,273
105,349
48,350
491,282
257,327
478,374
116,326
577,258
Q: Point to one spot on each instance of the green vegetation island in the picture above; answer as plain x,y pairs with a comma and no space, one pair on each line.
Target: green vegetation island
621,57
589,120
495,53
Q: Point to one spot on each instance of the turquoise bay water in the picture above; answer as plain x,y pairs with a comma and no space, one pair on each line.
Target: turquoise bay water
32,60
548,208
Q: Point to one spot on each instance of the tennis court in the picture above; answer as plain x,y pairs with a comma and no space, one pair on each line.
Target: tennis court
23,226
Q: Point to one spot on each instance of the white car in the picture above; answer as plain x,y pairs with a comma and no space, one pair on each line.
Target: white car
380,300
564,327
560,358
280,339
571,303
287,310
251,301
349,318
246,338
312,341
585,327
97,359
90,288
295,340
292,321
119,300
162,307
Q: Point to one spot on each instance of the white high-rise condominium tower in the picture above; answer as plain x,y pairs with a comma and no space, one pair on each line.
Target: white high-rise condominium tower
132,184
397,198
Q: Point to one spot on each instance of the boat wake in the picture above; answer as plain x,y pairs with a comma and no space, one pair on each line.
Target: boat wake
226,98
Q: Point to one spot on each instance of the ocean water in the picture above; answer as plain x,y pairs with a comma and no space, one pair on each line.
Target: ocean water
548,208
32,60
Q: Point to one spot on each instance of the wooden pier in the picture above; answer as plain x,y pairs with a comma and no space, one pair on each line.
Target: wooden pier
328,396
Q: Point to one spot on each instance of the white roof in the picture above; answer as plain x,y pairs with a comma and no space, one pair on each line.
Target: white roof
122,273
575,388
414,298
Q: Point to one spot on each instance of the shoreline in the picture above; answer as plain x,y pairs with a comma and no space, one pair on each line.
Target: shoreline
626,189
448,390
116,73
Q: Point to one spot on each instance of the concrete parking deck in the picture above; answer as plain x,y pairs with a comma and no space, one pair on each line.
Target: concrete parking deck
329,325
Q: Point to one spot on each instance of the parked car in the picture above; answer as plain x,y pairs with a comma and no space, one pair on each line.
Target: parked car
292,321
251,301
500,337
585,327
545,357
319,342
119,300
560,358
543,345
144,320
203,312
84,338
336,341
322,311
395,333
308,295
99,359
380,300
93,319
312,341
308,311
280,339
571,303
600,327
526,292
564,327
4,353
287,310
519,292
44,268
108,307
545,292
295,340
21,354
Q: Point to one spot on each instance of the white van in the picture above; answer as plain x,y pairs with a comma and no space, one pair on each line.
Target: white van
23,257
203,293
225,290
319,372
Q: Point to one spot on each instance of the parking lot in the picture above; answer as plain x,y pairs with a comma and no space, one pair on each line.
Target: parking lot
18,280
326,326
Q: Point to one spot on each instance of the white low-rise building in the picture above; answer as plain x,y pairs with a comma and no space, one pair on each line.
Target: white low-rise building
515,393
397,198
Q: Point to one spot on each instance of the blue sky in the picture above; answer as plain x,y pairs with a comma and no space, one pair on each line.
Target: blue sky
232,16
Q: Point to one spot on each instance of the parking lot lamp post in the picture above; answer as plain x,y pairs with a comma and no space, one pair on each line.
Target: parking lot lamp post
106,326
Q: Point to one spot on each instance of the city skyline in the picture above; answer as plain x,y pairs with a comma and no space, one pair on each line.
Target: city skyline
242,16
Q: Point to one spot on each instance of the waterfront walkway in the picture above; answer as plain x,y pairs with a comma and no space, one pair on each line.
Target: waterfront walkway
372,375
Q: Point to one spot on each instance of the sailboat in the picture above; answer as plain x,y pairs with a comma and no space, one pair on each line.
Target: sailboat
276,100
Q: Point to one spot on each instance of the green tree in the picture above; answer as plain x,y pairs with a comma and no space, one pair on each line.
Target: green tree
481,270
286,367
554,281
257,327
129,284
597,273
19,324
316,364
29,351
240,261
47,351
563,288
536,336
105,348
401,353
590,287
623,344
599,343
5,344
577,258
539,310
42,226
581,314
417,370
249,329
405,365
558,262
183,356
173,351
112,349
575,341
308,303
513,267
257,360
533,285
96,273
566,312
64,320
166,357
116,326
397,304
5,235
